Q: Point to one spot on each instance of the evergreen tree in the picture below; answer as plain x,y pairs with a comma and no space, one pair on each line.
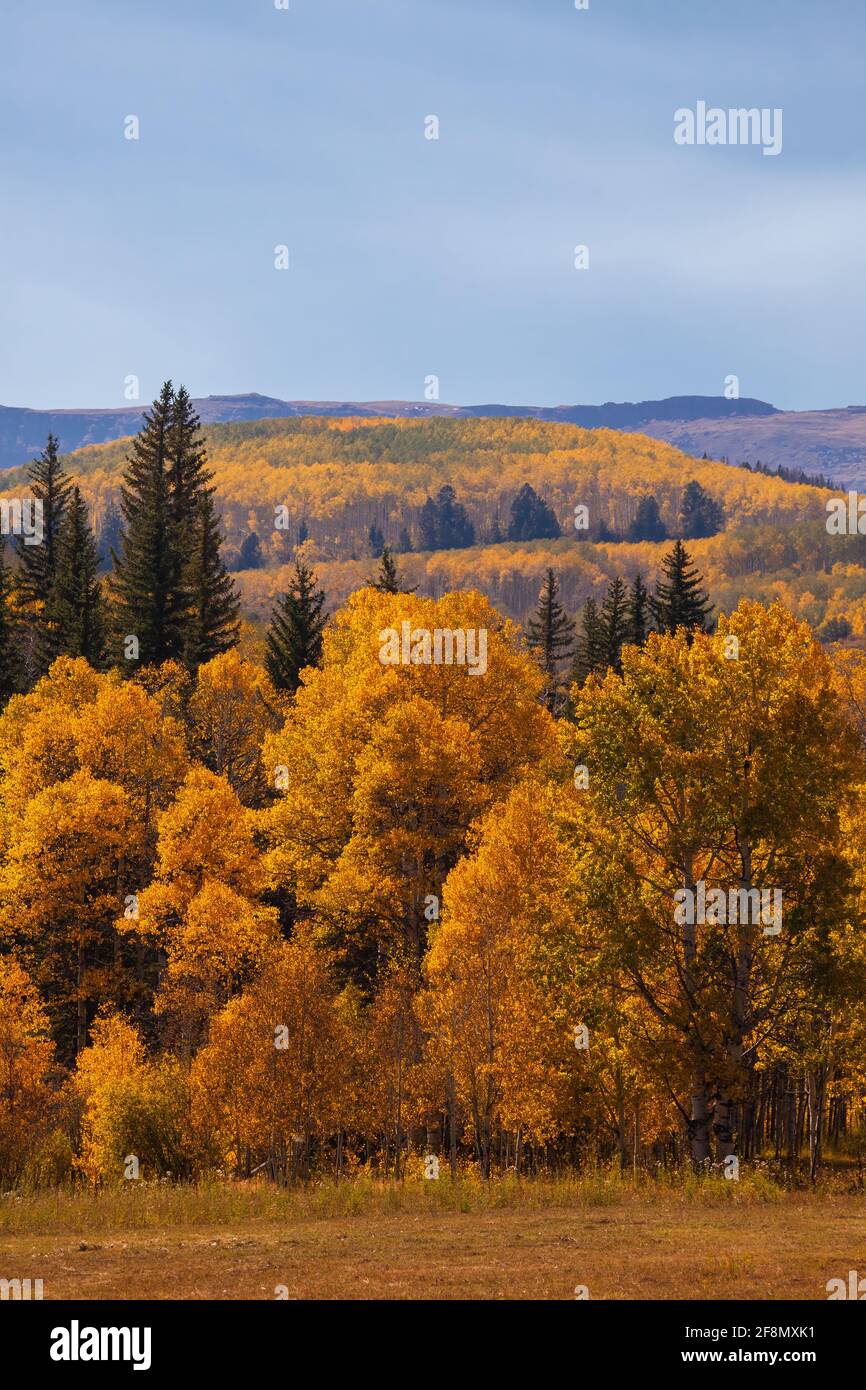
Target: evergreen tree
376,540
428,526
700,514
531,518
110,535
147,583
75,607
51,487
638,612
495,536
679,600
389,579
250,556
590,653
9,664
551,636
404,545
615,623
303,532
294,638
188,473
647,525
456,531
212,625
444,524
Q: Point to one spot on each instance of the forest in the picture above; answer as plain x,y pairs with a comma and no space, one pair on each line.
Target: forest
269,905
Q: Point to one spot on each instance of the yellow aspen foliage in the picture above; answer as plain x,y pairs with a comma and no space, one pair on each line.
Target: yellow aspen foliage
135,1112
201,909
60,919
26,1058
113,1061
499,1011
272,1076
391,1047
231,709
335,800
718,765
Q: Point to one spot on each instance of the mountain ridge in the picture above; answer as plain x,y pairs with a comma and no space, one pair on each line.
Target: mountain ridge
829,442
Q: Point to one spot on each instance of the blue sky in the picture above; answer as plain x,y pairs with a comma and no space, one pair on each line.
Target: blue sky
412,257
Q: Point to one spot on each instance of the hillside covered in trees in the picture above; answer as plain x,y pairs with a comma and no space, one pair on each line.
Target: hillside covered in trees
343,489
407,883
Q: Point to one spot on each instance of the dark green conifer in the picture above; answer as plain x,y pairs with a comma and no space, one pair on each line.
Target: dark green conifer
294,638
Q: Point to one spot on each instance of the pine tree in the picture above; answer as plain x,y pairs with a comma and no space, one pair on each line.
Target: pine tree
679,600
376,541
638,612
294,638
212,625
188,474
428,526
590,649
9,666
147,583
51,487
110,535
75,608
551,636
250,557
647,525
531,518
389,579
456,531
700,514
615,623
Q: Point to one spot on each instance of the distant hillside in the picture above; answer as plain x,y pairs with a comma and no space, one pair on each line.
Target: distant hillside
832,442
337,478
23,431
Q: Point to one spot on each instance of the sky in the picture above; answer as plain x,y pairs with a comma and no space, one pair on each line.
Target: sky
412,258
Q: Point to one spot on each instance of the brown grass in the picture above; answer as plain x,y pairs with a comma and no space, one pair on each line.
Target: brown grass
366,1240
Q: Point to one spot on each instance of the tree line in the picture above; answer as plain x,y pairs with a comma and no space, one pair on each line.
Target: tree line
627,615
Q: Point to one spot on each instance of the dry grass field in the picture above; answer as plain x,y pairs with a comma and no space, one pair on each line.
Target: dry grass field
366,1241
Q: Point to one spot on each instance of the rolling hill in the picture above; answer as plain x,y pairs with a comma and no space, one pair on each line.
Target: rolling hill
832,442
334,479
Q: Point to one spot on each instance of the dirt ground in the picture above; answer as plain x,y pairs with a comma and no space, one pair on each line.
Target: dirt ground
654,1249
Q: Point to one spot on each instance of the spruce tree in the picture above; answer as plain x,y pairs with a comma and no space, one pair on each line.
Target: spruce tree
110,534
51,487
389,580
250,557
615,624
75,608
679,599
456,531
428,526
531,518
700,514
638,612
551,636
294,638
147,583
647,525
212,622
9,663
590,649
188,473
